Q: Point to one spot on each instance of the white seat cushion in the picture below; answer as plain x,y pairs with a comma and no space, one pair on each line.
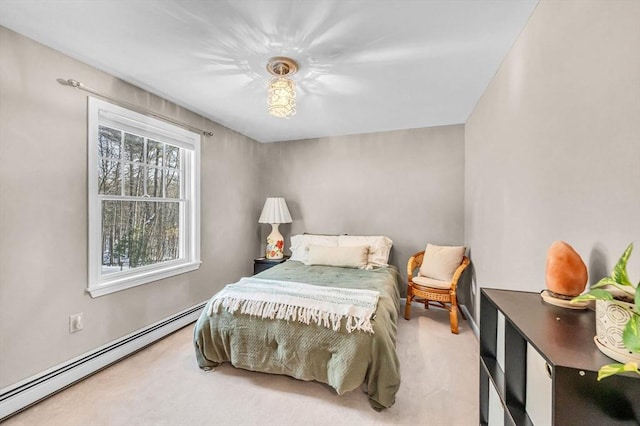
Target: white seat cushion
441,262
430,282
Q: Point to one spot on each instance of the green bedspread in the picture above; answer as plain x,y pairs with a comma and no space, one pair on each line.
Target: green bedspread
342,360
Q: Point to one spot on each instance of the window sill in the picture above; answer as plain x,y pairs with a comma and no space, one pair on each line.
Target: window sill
123,283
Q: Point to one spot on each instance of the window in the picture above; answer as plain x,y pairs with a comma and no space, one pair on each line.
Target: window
144,179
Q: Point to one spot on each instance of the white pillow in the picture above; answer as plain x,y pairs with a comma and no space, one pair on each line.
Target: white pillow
300,245
346,257
441,262
297,248
379,248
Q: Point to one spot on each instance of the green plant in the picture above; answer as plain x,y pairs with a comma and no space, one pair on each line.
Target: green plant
615,288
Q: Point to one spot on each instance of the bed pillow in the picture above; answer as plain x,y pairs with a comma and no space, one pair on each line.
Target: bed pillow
345,257
441,262
379,248
300,245
296,247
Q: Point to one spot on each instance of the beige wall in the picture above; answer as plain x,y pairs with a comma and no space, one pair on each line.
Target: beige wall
43,214
553,146
406,184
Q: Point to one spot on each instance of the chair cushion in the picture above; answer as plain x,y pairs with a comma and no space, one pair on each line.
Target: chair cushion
441,262
430,282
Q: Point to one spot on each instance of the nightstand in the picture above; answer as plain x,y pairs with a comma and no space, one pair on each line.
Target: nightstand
262,264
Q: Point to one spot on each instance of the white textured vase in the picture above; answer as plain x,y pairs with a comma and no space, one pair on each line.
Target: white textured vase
611,319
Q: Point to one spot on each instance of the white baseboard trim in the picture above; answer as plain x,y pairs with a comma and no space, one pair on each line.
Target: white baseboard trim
27,392
470,320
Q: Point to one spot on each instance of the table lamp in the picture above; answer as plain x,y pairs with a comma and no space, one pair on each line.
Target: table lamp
275,212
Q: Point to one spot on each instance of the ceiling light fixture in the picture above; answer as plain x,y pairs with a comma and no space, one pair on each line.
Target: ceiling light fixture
282,90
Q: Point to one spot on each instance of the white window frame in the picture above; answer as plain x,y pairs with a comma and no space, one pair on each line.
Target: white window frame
105,113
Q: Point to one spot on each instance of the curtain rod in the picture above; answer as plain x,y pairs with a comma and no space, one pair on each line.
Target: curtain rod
77,85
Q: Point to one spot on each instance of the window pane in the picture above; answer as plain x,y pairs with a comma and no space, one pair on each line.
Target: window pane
112,259
172,156
133,147
133,180
109,142
109,177
136,234
154,182
154,153
172,177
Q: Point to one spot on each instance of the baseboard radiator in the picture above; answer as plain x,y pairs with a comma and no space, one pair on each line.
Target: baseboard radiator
23,394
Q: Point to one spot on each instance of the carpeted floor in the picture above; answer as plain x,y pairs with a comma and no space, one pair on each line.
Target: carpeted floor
162,385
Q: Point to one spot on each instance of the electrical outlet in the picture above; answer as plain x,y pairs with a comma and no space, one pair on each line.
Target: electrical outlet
76,322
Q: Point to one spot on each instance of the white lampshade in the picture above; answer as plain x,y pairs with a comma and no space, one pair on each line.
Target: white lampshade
275,211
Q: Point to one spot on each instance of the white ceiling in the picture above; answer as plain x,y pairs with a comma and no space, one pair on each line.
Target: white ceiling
365,66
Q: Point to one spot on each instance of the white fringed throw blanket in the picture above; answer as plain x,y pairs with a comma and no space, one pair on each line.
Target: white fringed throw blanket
292,301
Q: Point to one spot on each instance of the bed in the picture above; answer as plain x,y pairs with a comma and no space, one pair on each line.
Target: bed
344,359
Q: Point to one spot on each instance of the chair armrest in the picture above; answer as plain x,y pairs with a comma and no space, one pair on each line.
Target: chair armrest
456,275
414,262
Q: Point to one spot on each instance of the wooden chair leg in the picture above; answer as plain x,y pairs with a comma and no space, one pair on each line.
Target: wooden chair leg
453,318
407,306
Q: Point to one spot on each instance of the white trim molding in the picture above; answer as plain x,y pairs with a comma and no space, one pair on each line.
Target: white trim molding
186,166
27,392
470,320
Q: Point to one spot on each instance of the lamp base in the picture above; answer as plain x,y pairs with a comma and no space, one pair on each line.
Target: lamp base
275,243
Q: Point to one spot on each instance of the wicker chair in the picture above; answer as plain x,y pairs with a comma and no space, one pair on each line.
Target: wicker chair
440,297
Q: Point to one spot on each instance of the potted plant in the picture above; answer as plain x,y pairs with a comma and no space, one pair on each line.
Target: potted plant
617,314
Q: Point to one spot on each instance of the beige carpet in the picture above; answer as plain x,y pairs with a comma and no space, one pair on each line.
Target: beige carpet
162,385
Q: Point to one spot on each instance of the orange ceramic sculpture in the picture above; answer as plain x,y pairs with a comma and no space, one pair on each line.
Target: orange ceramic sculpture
566,273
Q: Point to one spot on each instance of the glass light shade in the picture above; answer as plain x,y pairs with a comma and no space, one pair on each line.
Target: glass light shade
282,97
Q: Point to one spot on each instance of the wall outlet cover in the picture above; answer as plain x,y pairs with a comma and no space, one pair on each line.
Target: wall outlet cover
76,322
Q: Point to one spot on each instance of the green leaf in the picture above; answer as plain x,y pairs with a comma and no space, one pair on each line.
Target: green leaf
611,369
593,294
604,282
637,299
631,334
619,273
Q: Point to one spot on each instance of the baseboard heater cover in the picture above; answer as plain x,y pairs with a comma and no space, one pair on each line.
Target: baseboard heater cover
27,392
